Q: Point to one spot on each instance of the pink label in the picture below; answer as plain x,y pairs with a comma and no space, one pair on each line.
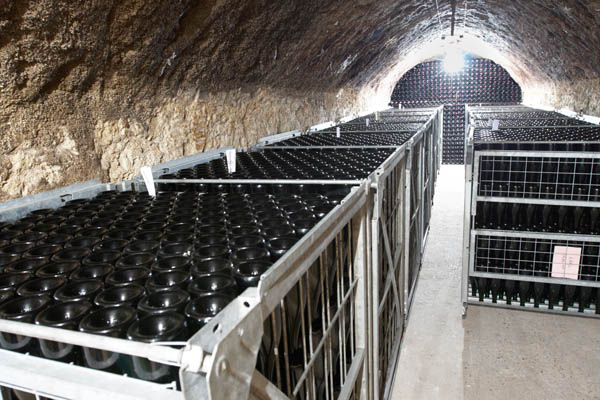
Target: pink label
565,263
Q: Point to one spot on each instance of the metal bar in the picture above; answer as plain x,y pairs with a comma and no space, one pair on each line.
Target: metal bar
538,154
264,181
18,208
391,270
375,131
556,311
326,335
571,203
466,225
331,147
391,372
60,380
527,278
537,127
262,389
353,374
536,235
264,141
161,354
407,225
453,17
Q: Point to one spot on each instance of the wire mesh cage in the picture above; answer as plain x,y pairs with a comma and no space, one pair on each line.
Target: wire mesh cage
539,175
303,332
313,342
531,212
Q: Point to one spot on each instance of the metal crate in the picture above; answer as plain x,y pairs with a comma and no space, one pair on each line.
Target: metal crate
304,331
506,267
219,360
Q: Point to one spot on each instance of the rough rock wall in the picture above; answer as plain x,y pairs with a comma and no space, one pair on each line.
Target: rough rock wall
114,149
95,88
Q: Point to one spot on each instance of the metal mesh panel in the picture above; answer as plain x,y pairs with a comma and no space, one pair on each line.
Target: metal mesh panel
534,177
309,341
533,256
415,224
388,313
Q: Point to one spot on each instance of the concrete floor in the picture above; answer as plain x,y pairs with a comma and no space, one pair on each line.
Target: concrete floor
493,353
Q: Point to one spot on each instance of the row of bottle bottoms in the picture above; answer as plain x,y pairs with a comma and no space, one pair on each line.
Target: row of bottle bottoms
552,296
538,218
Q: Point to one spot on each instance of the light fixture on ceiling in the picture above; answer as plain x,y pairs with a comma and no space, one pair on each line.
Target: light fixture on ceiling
454,61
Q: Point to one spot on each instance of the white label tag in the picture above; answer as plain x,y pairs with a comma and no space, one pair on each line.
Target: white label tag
495,125
367,122
376,115
230,154
337,132
148,180
565,262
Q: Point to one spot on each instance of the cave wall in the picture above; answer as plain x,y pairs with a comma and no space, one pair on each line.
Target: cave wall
97,88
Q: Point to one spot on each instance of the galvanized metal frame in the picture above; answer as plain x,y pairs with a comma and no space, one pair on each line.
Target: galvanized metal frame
387,237
219,360
472,162
15,209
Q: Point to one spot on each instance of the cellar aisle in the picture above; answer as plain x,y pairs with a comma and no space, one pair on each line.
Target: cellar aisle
493,353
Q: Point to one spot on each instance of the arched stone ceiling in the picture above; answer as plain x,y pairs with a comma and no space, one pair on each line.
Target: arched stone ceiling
97,88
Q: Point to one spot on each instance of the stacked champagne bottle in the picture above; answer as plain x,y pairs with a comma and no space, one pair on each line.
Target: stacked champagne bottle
396,117
375,126
537,219
127,265
354,139
572,139
313,164
481,81
454,134
550,177
531,122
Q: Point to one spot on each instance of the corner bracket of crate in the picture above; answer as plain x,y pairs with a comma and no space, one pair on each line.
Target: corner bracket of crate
233,339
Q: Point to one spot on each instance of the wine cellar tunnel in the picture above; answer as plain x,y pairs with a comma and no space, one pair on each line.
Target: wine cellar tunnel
354,175
480,81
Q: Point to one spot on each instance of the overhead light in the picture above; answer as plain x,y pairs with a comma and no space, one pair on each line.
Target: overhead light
454,61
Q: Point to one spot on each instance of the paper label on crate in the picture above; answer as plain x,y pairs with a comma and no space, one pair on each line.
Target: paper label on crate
230,154
565,262
337,132
367,122
495,125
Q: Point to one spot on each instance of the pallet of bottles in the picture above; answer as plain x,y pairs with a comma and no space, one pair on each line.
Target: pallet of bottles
531,204
182,268
390,181
140,269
